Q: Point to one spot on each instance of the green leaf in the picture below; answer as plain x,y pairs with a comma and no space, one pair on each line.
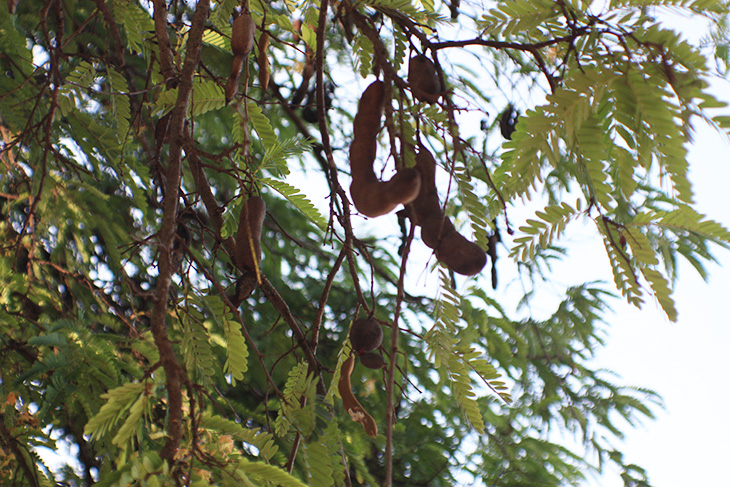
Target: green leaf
261,125
662,292
269,473
295,197
119,400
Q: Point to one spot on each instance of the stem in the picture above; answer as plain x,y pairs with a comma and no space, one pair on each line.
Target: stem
390,386
173,371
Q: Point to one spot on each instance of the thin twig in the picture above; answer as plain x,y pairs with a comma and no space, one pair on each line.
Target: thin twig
390,386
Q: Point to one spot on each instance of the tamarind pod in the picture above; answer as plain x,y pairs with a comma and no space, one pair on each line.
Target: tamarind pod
424,79
350,402
372,360
426,208
248,236
366,335
375,198
242,35
437,231
460,255
369,111
245,285
234,79
263,61
508,121
454,7
307,73
371,196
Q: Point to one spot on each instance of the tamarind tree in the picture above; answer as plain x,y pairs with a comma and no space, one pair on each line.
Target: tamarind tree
181,262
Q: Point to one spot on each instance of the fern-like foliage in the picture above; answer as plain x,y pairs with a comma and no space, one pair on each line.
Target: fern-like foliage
297,406
257,473
236,350
120,106
516,17
475,208
120,402
455,360
295,197
319,462
263,441
541,233
276,157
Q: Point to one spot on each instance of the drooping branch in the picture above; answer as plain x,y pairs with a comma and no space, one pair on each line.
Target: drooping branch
280,305
173,371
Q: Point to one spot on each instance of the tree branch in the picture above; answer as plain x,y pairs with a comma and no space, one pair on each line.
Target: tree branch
173,371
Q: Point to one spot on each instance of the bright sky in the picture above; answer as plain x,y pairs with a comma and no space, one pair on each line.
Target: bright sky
686,362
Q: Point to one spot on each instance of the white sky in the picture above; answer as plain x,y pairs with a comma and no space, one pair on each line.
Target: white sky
686,362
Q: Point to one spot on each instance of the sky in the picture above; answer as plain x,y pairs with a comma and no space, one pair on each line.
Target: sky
686,362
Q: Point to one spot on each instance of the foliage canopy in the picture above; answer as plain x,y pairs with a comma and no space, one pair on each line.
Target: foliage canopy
131,328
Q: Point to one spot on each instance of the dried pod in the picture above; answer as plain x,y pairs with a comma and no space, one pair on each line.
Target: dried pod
242,35
366,335
248,236
263,61
424,79
234,79
437,232
372,360
241,44
371,196
460,255
307,73
350,402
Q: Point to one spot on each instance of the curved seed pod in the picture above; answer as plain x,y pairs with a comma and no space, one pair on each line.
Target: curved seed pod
371,196
248,236
366,335
242,37
460,255
372,360
351,404
437,232
424,80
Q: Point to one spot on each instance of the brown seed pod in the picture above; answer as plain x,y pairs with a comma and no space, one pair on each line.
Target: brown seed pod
263,61
241,44
372,360
437,232
366,335
350,402
248,236
234,78
242,35
371,196
424,80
